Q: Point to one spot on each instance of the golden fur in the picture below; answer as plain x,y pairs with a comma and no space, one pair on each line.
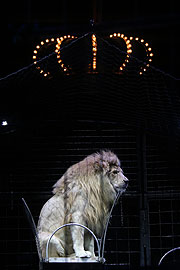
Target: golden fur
84,194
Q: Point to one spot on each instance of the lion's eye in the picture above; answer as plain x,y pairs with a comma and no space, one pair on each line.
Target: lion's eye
115,172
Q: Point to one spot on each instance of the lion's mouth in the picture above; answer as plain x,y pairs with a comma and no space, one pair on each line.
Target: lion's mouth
121,188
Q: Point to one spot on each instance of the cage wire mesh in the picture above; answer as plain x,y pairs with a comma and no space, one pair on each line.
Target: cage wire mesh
148,102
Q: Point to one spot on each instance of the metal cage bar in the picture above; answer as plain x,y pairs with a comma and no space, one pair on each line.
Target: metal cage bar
73,224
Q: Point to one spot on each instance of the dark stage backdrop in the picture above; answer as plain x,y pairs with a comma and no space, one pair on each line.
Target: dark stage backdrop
145,222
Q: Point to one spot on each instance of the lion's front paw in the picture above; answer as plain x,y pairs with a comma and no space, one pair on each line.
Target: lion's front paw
83,254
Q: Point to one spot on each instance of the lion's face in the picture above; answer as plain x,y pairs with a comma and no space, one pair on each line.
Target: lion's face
117,179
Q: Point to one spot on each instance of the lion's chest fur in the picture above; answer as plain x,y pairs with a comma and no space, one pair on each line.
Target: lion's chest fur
96,216
93,202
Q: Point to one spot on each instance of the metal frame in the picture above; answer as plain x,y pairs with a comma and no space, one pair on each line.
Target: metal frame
167,254
74,224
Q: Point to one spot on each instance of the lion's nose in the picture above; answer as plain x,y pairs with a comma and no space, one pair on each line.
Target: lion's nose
126,180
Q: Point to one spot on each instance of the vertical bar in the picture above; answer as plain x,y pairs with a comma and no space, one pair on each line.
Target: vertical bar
145,253
97,11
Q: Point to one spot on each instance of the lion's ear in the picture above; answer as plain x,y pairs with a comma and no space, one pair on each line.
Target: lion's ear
105,165
97,166
101,165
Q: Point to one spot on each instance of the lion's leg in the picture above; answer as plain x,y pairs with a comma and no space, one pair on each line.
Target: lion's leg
56,249
89,243
77,234
78,242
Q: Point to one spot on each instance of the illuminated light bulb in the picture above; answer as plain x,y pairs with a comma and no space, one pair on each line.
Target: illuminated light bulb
42,43
35,62
147,65
58,56
144,69
65,69
125,38
59,61
150,60
56,50
65,37
131,38
4,123
41,71
115,34
151,54
37,47
47,40
119,34
52,39
69,36
34,56
128,41
136,38
72,37
140,73
142,40
124,65
122,35
111,36
45,74
146,44
149,49
121,68
62,65
38,67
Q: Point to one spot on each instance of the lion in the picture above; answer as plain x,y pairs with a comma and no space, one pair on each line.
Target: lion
84,195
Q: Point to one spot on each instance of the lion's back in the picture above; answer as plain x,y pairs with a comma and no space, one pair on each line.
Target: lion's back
52,214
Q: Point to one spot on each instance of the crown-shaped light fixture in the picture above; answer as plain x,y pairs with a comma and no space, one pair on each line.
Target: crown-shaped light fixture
93,66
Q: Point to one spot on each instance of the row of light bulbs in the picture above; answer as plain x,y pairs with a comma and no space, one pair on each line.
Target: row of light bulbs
94,51
57,50
148,50
59,41
128,46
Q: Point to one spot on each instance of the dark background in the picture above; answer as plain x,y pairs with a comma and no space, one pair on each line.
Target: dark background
55,123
